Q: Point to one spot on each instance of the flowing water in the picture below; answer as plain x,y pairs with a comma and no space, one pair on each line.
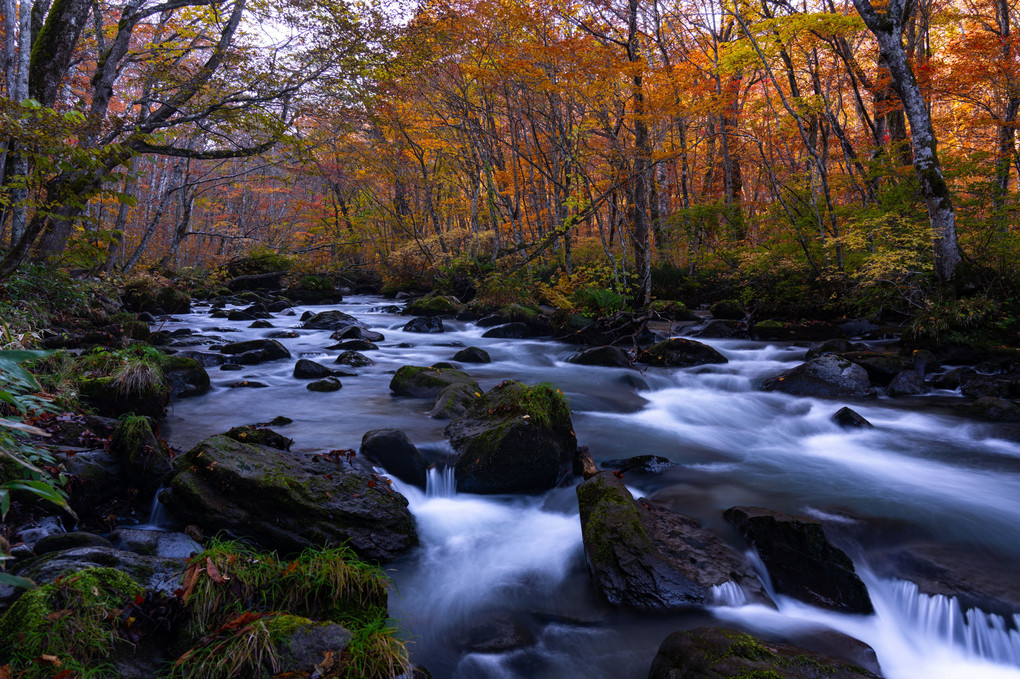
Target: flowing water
517,561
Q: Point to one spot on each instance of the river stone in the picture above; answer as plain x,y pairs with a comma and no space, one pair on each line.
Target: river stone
186,376
679,353
850,419
394,452
453,401
433,305
425,325
143,454
325,385
425,382
800,560
310,370
257,349
155,543
613,357
646,557
472,355
152,572
805,331
357,332
282,334
717,653
641,464
907,383
496,633
833,346
247,384
260,435
260,324
353,345
583,464
64,541
330,320
825,376
514,330
881,368
513,439
306,645
994,409
288,502
715,329
354,359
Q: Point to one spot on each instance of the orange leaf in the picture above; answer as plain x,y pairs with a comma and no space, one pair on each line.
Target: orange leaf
214,573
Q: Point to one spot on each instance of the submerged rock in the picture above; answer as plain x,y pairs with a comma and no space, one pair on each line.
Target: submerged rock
648,558
718,653
288,502
800,560
848,418
330,320
425,325
608,356
256,351
305,369
513,439
881,368
472,355
994,409
394,452
679,353
907,383
354,359
825,376
325,385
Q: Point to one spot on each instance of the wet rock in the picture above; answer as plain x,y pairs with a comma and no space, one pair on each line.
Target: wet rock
641,464
433,305
256,351
157,300
394,452
142,454
513,439
496,633
310,370
825,376
425,382
716,329
648,558
185,376
951,379
729,309
858,327
514,330
247,384
353,345
261,324
60,542
204,358
164,544
231,367
492,320
96,479
583,464
805,331
152,572
325,385
304,644
425,325
907,383
357,332
800,560
453,401
717,652
282,334
614,357
354,359
331,320
109,398
833,346
288,502
924,362
679,353
992,409
472,355
260,435
446,365
881,368
850,419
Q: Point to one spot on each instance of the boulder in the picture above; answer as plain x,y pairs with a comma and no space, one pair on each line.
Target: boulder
425,382
715,329
425,325
354,359
394,452
325,385
143,296
433,305
613,357
825,376
260,435
648,558
331,320
994,409
304,646
513,439
907,383
496,633
353,345
152,572
260,281
143,454
110,398
729,309
255,351
514,330
453,401
60,542
159,543
186,376
310,370
288,502
583,464
357,332
679,353
717,653
472,355
641,464
881,368
850,419
800,560
804,331
833,346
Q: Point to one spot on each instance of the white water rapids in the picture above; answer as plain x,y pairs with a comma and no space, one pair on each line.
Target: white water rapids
920,473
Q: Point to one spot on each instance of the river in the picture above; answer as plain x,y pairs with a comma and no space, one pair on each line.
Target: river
921,473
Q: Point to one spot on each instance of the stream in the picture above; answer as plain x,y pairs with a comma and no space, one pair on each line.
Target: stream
921,473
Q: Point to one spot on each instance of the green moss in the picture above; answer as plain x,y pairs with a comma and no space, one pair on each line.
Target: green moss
612,517
543,404
773,324
134,440
520,313
433,306
72,618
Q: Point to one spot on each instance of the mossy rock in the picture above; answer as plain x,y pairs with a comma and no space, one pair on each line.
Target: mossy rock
286,501
426,382
453,401
679,353
142,453
138,330
73,619
728,309
992,409
145,296
186,376
881,368
109,399
261,436
673,311
719,653
513,439
804,331
433,305
354,359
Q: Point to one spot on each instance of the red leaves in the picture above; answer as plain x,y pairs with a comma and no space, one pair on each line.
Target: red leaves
193,573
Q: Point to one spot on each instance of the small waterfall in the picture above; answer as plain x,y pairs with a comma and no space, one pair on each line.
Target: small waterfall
728,594
982,635
157,513
440,483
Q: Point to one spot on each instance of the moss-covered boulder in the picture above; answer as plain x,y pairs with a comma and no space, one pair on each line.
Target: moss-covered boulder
145,295
141,452
613,357
826,376
113,397
453,401
433,305
513,439
881,367
728,309
720,653
260,435
151,572
185,375
313,289
800,559
73,620
288,502
672,310
648,558
994,409
679,353
426,382
801,331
